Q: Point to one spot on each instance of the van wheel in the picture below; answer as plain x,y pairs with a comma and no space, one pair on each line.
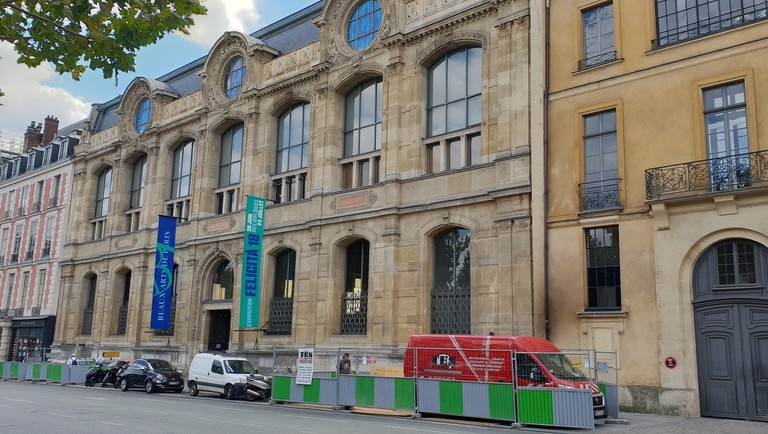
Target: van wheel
193,388
229,392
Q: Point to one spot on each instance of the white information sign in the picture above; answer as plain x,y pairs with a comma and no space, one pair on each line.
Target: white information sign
306,366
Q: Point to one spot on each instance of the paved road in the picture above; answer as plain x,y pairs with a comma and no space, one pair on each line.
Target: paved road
48,408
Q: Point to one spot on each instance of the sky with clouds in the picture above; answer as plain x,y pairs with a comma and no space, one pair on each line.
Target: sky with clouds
33,94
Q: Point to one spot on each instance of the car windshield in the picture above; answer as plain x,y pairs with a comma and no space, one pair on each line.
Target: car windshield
561,367
162,365
239,367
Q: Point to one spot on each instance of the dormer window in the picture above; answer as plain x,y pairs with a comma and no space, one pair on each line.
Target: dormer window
234,77
142,115
363,26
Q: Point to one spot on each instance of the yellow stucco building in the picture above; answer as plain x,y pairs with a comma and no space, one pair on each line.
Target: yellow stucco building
656,204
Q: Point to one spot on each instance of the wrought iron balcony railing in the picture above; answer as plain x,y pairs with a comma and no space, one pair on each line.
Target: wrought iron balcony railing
36,310
122,319
4,313
7,215
597,60
599,195
45,252
21,211
36,206
30,254
705,176
14,258
87,324
705,25
52,202
19,311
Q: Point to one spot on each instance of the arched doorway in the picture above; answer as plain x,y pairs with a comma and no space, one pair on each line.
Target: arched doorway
730,305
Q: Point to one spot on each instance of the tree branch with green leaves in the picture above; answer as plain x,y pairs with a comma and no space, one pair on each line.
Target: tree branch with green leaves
100,35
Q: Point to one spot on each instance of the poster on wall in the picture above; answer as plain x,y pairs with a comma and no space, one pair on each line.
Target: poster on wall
306,366
162,289
251,278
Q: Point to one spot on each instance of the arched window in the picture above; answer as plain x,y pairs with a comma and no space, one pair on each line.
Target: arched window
354,304
181,180
103,187
230,163
292,154
223,281
454,110
362,134
451,284
281,305
143,111
234,77
122,295
89,303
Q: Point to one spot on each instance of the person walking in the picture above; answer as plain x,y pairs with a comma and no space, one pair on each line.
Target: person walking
345,365
72,360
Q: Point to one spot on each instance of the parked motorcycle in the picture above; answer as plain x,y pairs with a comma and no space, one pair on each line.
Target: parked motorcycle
120,372
112,371
96,373
258,386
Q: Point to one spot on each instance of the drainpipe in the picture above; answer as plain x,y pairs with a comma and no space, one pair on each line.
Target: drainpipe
546,170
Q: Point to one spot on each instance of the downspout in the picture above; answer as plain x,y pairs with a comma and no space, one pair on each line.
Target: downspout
545,159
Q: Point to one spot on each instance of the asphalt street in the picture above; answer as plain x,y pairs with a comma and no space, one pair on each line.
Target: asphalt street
27,407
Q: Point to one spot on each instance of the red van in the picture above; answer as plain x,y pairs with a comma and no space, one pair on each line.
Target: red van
488,359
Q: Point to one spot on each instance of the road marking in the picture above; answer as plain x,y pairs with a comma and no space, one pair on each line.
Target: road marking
416,429
164,401
131,427
218,407
321,418
231,422
18,400
97,399
62,415
5,406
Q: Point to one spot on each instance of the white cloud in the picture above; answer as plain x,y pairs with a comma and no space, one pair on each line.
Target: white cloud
28,99
224,15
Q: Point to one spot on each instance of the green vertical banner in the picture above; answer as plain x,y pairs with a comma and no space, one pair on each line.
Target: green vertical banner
254,235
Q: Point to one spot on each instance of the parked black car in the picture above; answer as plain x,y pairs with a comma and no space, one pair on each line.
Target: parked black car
153,375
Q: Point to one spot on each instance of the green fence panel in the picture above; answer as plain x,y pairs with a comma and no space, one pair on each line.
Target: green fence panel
451,401
2,369
535,407
53,373
404,394
281,388
364,391
501,400
36,371
15,370
312,392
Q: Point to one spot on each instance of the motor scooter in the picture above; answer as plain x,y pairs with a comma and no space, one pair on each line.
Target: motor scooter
112,370
258,386
96,373
120,372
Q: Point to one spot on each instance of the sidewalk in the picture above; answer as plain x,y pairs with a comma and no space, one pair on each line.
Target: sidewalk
654,423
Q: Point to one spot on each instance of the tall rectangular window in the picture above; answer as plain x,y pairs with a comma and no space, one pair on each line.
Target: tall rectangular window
50,222
54,199
24,290
4,245
601,164
603,268
598,40
10,283
678,20
41,282
138,181
32,241
725,115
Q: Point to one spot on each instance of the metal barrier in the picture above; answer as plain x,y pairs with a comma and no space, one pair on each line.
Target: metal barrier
41,371
607,378
465,398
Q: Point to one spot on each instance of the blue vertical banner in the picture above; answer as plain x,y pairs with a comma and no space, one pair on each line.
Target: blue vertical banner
162,291
251,284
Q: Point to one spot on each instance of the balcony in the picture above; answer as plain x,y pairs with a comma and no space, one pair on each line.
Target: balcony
731,173
19,311
30,254
14,258
5,313
7,215
600,195
36,206
45,252
21,211
36,310
52,202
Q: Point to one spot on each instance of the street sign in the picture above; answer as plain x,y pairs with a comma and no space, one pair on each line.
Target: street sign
110,354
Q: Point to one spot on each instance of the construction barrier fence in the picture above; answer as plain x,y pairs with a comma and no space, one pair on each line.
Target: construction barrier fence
42,371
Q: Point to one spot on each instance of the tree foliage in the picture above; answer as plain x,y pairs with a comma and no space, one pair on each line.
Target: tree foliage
77,34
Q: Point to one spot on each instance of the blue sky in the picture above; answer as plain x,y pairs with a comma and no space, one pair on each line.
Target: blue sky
32,94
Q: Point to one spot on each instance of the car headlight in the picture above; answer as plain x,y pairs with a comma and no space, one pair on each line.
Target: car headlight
563,386
160,377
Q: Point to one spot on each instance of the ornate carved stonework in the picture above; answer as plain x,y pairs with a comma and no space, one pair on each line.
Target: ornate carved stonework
225,52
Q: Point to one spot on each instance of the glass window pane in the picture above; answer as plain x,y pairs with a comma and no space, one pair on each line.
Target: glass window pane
367,139
304,155
436,119
457,75
294,161
454,154
475,111
475,70
475,150
437,84
457,116
234,173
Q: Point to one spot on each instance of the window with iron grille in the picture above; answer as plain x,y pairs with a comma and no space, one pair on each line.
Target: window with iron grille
123,303
736,265
362,134
354,303
172,314
598,37
679,21
603,268
292,154
281,305
89,303
229,170
450,299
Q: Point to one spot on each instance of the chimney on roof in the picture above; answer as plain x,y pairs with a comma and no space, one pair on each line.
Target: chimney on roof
50,129
33,136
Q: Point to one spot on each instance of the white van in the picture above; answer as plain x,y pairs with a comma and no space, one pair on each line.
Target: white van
219,372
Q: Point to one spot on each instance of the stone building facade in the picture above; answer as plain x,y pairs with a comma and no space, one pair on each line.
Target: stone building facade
391,140
657,199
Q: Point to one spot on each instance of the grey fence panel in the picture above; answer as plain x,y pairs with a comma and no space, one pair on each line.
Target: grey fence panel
327,390
347,390
476,400
428,396
76,374
611,400
384,393
573,408
297,391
